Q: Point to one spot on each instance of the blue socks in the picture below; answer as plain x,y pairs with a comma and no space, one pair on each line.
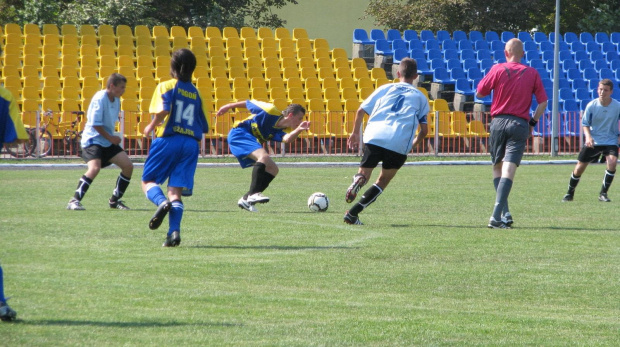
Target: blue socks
2,298
155,194
174,216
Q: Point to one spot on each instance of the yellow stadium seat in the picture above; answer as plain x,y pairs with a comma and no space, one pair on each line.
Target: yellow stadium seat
277,93
300,33
50,50
13,84
294,94
88,71
105,30
89,40
178,31
30,70
88,50
144,51
50,29
294,82
69,105
316,105
70,93
440,105
264,32
125,41
196,32
229,32
269,43
71,82
241,93
13,38
68,29
106,71
290,73
346,82
123,30
212,32
31,48
12,48
31,29
216,51
10,70
145,61
144,41
141,31
129,104
247,32
160,31
272,72
260,94
51,39
147,82
312,82
92,82
282,33
377,73
162,73
321,43
161,51
329,82
314,93
107,40
254,62
365,92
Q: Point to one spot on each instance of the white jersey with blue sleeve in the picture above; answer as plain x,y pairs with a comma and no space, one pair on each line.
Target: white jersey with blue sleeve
602,121
395,111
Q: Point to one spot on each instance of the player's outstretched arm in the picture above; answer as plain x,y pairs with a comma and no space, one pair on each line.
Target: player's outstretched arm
230,106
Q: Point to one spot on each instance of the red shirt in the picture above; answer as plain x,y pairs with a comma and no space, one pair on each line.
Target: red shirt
513,85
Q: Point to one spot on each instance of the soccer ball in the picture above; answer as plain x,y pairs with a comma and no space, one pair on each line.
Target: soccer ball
318,202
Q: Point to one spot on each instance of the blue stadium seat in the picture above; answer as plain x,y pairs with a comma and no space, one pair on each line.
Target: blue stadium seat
457,72
399,44
409,35
564,83
423,68
524,36
443,35
465,44
475,35
543,128
593,85
570,37
592,46
450,54
578,83
582,94
585,64
399,54
497,45
467,54
474,73
431,44
478,45
383,47
464,86
448,44
615,38
581,55
540,37
360,36
608,47
543,72
607,73
486,64
573,120
597,55
434,54
611,56
530,46
417,54
572,74
547,83
459,35
601,37
483,54
565,55
453,63
485,101
565,94
537,64
498,56
614,64
568,64
426,35
441,75
600,64
437,63
507,35
415,45
393,34
586,37
530,55
469,63
377,34
546,46
491,36
552,37
583,104
577,46
616,92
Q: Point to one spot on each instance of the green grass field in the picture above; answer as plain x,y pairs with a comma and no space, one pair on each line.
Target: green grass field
423,270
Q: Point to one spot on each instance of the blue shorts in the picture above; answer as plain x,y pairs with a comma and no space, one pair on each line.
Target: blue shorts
242,143
173,158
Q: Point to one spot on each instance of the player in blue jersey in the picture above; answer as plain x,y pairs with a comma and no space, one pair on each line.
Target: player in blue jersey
11,130
101,145
246,139
180,116
600,127
396,110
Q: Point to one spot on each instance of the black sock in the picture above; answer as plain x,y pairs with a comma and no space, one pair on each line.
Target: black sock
266,180
572,184
122,182
370,195
82,188
257,176
609,177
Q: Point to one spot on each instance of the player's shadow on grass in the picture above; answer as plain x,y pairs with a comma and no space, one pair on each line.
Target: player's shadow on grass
279,248
153,324
516,228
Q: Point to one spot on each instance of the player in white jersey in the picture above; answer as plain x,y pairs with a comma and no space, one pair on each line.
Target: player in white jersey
396,110
600,127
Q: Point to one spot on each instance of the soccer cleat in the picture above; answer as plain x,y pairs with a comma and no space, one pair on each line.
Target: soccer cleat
351,219
6,313
603,197
567,198
160,214
507,219
244,204
493,224
172,240
118,204
358,182
75,204
257,198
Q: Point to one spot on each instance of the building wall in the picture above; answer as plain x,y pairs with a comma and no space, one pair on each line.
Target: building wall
333,20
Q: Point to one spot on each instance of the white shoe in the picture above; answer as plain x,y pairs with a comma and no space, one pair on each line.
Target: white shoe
244,204
75,205
257,198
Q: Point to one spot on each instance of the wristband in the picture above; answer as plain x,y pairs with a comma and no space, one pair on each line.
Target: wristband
533,122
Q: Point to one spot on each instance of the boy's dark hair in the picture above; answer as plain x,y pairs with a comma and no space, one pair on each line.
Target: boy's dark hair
294,109
182,64
408,68
607,82
115,79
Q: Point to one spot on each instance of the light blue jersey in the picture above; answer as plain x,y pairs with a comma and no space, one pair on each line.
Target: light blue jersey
101,112
395,111
602,121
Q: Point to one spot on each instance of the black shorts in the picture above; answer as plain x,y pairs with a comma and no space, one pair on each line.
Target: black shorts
592,154
104,153
375,154
508,138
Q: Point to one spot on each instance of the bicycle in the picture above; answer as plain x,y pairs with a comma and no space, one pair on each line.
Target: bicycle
28,148
73,136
